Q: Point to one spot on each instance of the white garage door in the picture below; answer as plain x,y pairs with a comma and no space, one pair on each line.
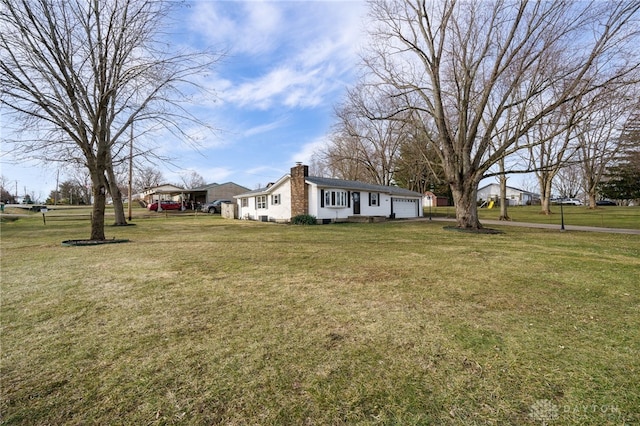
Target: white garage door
404,207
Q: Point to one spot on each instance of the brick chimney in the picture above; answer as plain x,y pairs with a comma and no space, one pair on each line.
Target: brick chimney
299,190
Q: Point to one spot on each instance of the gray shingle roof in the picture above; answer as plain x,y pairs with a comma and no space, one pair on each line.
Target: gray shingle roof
361,186
351,185
254,192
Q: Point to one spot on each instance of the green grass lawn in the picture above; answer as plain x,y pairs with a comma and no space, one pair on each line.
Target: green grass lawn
201,320
605,216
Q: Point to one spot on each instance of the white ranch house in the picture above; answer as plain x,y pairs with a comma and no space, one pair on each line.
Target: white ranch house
515,196
327,199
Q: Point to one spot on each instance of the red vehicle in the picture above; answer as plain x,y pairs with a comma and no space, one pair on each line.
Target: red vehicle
165,205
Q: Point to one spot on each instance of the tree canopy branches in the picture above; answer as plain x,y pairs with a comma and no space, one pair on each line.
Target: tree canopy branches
77,74
480,76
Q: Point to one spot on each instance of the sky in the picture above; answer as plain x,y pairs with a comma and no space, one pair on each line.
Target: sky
287,64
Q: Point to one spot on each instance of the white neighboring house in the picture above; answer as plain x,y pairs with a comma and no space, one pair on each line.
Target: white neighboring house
327,199
515,196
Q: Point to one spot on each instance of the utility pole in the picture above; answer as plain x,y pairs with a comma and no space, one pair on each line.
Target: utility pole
55,195
431,197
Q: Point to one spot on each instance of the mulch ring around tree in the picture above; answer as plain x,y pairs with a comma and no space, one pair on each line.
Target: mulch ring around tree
73,243
474,230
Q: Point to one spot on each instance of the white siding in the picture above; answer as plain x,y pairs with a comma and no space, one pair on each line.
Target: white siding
249,211
334,213
319,212
383,209
273,212
409,207
282,211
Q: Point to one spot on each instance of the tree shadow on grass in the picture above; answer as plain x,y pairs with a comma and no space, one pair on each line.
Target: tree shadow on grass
474,230
73,243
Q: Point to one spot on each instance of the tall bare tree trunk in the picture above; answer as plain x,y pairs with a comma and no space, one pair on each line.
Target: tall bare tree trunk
99,192
545,180
116,195
84,72
465,198
480,76
502,179
503,198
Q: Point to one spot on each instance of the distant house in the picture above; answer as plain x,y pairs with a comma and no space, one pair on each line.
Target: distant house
515,196
216,191
200,195
327,199
430,199
165,192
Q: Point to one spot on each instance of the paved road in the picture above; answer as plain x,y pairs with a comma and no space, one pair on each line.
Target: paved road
549,226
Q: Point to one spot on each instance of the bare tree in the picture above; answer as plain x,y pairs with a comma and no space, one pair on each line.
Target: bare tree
568,182
552,144
318,164
502,181
364,147
5,191
466,65
607,113
338,158
79,73
80,178
502,134
192,179
146,177
418,167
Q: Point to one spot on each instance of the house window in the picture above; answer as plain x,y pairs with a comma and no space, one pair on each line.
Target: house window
335,198
275,199
373,199
261,202
245,202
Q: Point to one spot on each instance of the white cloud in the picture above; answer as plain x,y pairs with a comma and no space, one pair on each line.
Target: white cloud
284,85
264,174
209,174
243,27
215,174
290,54
307,150
262,28
264,128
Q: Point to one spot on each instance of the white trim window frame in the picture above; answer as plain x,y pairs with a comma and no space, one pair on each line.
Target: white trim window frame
335,198
275,199
261,202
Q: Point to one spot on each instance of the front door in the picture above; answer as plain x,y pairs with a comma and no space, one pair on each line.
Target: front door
356,202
